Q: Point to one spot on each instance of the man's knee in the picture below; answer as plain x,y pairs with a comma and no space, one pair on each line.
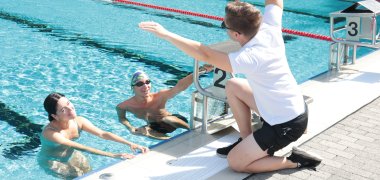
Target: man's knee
235,164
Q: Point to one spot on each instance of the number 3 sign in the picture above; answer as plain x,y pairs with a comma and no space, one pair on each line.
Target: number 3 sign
353,28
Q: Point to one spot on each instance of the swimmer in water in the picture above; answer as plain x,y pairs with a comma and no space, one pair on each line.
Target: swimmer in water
60,153
151,106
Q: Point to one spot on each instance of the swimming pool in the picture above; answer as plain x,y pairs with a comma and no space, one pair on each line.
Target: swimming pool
87,49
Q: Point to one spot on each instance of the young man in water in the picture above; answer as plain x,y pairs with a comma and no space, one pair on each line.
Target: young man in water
151,106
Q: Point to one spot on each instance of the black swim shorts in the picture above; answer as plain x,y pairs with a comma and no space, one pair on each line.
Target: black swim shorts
276,137
166,128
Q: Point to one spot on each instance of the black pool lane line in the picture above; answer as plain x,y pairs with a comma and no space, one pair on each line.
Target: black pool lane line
24,126
77,38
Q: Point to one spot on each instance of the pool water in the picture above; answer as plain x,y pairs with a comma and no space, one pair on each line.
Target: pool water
87,49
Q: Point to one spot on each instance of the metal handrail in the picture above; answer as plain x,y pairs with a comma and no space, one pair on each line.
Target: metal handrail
198,86
226,47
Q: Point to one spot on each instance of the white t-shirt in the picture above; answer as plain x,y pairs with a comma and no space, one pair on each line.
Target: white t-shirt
263,61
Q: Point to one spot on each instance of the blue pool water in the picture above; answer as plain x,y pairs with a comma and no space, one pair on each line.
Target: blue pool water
87,49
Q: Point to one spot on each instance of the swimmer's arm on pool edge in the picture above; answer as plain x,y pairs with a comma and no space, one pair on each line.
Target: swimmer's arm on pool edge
89,127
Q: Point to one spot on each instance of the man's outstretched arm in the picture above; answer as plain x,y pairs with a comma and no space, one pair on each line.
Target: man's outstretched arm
192,48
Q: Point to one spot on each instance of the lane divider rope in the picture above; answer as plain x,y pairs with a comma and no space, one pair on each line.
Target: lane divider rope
289,31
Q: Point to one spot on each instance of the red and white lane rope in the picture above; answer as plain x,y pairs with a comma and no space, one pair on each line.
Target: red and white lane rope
289,31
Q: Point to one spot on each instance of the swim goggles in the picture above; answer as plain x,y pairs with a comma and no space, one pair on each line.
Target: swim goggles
141,83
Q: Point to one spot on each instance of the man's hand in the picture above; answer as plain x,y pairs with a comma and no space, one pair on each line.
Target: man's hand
149,132
154,28
133,130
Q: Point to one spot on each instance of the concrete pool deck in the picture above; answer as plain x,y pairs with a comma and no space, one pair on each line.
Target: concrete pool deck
347,139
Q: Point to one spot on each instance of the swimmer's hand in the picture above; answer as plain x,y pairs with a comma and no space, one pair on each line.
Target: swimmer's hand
206,68
124,156
147,131
141,148
154,28
133,130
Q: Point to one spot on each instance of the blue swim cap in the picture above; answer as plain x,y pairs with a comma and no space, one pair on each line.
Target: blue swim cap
137,76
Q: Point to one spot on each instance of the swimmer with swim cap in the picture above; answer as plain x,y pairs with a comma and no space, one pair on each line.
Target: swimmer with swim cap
151,107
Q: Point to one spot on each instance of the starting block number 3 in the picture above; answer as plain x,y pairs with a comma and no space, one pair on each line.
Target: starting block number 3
353,28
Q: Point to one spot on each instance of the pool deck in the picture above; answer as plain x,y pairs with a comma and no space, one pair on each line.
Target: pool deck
344,128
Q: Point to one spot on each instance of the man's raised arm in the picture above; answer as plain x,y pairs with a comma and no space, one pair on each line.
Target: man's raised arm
279,3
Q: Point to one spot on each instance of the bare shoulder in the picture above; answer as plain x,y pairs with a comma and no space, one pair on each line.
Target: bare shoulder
48,131
125,104
80,120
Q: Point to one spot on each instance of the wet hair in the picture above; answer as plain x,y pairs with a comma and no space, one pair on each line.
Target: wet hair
50,104
243,17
